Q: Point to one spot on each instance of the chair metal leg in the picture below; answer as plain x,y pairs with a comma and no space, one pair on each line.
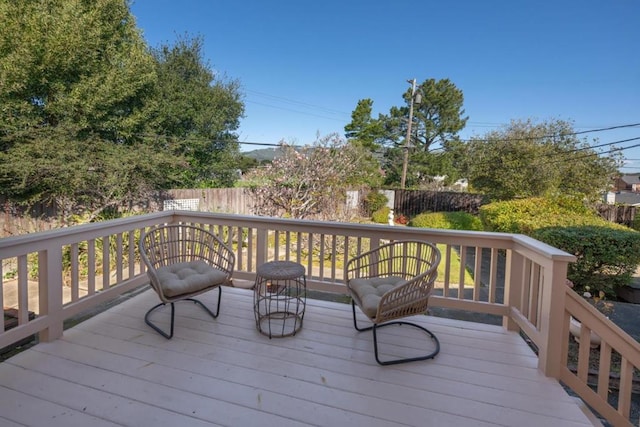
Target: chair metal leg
355,323
375,327
170,334
154,326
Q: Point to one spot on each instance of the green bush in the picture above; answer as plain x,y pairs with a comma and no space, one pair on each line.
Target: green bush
375,201
527,215
381,216
447,220
607,256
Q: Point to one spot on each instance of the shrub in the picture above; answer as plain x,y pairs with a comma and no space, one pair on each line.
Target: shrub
447,220
527,215
607,255
375,201
381,216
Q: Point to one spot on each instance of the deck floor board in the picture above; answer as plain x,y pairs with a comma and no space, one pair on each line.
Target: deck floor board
112,369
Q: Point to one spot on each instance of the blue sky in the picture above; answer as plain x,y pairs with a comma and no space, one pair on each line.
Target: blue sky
303,65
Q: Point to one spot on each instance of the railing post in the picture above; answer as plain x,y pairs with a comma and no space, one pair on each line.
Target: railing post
50,292
512,286
262,246
552,318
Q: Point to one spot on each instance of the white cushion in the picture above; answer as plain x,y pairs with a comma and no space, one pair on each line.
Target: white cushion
188,277
370,291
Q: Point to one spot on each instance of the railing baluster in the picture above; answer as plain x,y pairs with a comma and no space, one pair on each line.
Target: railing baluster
91,266
493,275
106,260
119,257
2,289
75,277
477,273
462,271
321,260
447,271
132,254
626,385
310,257
604,370
23,290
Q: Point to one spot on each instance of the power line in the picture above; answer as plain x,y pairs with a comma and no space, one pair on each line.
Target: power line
301,103
295,111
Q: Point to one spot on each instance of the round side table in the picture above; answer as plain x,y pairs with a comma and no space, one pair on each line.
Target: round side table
279,298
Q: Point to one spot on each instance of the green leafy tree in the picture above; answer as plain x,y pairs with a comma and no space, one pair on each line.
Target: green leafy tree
199,112
527,159
77,62
438,116
75,81
363,129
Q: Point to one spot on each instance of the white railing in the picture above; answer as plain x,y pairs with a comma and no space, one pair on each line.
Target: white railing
616,355
58,274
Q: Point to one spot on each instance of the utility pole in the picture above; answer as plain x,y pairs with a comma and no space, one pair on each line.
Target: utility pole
407,141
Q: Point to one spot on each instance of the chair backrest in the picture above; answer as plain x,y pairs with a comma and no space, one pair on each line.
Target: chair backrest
402,258
162,245
415,261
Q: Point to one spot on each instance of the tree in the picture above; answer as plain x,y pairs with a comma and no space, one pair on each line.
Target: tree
527,159
363,129
199,112
75,81
77,62
310,181
437,119
92,118
439,115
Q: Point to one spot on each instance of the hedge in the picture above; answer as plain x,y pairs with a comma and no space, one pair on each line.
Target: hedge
607,256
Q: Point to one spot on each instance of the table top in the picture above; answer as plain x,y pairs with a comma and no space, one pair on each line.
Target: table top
280,270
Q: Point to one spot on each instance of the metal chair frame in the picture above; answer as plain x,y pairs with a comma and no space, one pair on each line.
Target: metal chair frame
414,261
163,245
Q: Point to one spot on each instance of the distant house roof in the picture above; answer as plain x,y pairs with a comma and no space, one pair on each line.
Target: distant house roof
626,198
631,179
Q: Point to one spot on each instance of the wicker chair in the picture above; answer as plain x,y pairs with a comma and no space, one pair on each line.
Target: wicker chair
391,282
184,261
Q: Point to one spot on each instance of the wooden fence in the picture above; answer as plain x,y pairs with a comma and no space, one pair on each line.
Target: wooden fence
621,214
413,202
15,220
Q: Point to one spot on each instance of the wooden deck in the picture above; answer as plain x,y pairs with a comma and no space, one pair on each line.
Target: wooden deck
114,370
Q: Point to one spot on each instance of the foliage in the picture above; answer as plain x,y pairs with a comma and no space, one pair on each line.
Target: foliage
437,119
79,175
606,256
447,221
526,215
91,119
72,61
75,76
198,112
363,129
438,116
375,200
381,216
246,163
310,181
527,159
